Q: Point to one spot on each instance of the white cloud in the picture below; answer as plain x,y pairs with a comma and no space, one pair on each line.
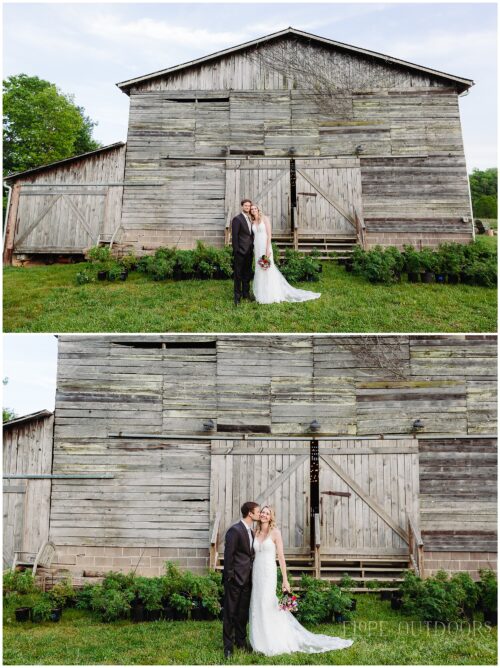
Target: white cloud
145,29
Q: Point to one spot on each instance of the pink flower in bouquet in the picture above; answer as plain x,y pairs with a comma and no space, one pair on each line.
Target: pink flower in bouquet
264,262
289,603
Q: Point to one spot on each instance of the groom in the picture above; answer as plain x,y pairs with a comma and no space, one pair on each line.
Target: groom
242,236
237,577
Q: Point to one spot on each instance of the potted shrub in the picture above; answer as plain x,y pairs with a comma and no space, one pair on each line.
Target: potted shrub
224,262
347,584
110,603
129,262
184,264
314,601
395,260
412,263
339,603
45,610
429,263
114,271
487,595
209,596
182,604
451,261
63,594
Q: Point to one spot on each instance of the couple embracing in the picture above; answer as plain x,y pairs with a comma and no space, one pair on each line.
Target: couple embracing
251,235
250,579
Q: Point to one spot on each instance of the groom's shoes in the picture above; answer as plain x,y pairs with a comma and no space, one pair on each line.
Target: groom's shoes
246,646
250,298
228,654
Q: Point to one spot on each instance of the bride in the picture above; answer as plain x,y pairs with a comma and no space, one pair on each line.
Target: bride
274,631
269,285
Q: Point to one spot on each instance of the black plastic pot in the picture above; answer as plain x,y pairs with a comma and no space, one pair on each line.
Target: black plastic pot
197,614
453,279
55,615
440,278
180,616
353,604
348,265
137,612
153,615
396,603
385,595
102,275
491,617
428,277
23,614
124,276
168,612
413,277
339,617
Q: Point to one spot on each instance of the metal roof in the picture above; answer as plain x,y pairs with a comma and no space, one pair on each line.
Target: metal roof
27,418
463,82
15,175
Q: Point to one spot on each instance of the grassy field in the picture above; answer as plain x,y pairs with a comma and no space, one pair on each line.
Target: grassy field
381,636
47,299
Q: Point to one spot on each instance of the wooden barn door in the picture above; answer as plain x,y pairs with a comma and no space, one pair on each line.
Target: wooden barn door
60,219
265,182
367,488
268,472
328,196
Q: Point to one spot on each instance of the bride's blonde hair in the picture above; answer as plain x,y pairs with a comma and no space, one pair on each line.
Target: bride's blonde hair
255,218
272,519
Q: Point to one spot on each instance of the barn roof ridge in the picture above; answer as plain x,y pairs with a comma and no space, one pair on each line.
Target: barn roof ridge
464,82
27,418
49,165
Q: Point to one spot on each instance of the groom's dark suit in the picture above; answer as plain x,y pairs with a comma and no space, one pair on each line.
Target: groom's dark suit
237,577
242,238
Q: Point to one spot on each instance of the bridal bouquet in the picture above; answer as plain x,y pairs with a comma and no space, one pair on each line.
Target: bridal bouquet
288,602
264,262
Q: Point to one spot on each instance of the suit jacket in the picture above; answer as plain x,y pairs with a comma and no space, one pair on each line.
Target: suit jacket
241,236
238,555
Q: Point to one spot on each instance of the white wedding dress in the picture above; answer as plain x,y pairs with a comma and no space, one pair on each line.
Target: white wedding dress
269,285
274,631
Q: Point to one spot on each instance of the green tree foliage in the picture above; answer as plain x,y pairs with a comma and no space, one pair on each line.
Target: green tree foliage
484,192
41,124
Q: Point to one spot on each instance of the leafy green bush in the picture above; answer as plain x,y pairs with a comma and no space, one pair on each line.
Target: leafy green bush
62,592
184,263
42,609
439,598
111,603
150,591
117,580
297,267
84,597
411,260
487,589
20,582
99,254
129,261
451,257
114,271
85,276
320,600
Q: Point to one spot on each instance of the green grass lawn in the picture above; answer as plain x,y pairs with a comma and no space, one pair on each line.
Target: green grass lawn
381,636
47,299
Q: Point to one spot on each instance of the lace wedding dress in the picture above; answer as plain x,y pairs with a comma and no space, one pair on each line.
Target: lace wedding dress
269,285
274,631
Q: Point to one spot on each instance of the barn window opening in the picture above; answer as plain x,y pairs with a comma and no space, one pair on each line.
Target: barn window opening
241,151
167,344
246,428
314,486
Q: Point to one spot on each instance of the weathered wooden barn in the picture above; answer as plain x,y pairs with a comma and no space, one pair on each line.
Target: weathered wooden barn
27,451
377,452
338,144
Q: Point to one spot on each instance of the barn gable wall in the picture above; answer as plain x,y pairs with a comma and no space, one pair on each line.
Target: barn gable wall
404,126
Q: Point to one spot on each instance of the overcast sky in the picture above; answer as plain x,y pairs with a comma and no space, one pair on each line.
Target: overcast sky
86,48
30,364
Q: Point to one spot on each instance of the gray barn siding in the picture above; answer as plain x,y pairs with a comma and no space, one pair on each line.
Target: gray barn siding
27,449
394,114
159,495
65,207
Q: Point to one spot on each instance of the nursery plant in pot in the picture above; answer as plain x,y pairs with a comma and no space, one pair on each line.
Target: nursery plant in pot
487,590
452,258
412,263
45,610
63,594
347,584
182,604
429,262
184,264
339,603
149,591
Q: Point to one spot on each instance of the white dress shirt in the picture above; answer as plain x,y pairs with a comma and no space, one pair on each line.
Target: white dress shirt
248,223
249,531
